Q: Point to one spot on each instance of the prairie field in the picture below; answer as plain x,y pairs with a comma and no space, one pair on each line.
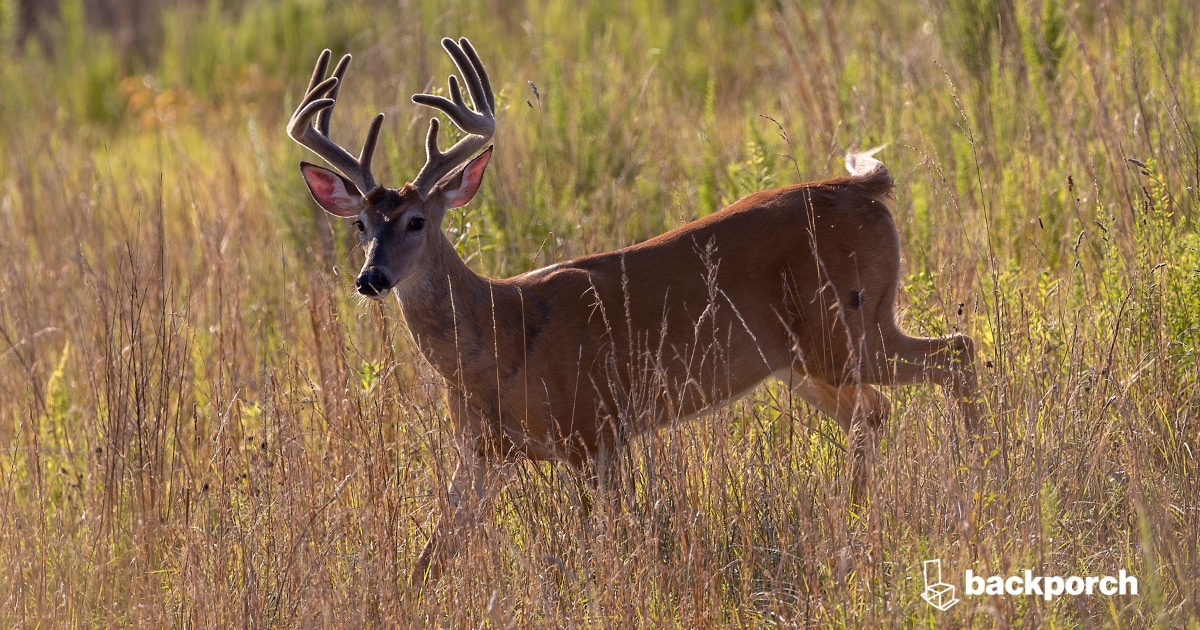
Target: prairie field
203,426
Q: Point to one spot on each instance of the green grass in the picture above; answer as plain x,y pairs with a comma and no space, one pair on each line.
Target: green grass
201,426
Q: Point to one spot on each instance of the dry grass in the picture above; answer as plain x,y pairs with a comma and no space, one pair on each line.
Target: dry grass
200,426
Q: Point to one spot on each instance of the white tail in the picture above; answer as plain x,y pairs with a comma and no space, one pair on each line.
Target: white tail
864,163
568,361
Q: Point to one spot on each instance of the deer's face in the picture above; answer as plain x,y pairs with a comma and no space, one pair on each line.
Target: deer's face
396,226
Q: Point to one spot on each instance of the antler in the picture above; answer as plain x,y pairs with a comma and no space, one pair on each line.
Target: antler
318,102
479,125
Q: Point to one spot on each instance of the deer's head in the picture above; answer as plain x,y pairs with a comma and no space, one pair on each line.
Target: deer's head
396,225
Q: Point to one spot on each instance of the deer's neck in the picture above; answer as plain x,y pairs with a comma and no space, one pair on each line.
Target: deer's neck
450,311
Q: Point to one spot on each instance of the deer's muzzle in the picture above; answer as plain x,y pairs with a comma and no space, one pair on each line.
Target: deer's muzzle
372,283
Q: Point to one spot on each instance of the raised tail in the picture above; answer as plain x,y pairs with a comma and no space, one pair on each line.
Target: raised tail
870,174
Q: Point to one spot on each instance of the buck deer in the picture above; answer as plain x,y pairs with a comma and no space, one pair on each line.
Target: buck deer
568,361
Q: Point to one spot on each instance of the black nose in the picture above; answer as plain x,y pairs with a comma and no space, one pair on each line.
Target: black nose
371,283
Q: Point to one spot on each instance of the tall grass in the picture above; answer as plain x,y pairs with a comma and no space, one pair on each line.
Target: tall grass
200,426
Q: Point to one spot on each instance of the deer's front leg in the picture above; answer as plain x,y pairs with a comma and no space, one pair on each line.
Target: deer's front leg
476,482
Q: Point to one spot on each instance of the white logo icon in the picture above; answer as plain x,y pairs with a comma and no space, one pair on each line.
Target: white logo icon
939,594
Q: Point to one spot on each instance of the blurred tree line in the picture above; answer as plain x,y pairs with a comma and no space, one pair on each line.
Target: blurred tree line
135,26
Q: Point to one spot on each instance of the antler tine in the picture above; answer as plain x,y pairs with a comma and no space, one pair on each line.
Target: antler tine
326,115
318,74
479,123
473,72
368,150
318,103
481,73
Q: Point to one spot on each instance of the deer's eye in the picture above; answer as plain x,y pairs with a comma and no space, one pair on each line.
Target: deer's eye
360,226
416,224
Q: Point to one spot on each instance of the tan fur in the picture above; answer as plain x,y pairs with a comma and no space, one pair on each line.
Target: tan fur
569,361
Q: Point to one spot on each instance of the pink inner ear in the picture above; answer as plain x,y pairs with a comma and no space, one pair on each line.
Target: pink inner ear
321,183
330,191
476,167
472,177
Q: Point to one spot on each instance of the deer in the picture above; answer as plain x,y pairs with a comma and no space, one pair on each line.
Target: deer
569,361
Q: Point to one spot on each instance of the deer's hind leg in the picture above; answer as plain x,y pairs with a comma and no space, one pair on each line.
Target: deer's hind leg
860,410
947,361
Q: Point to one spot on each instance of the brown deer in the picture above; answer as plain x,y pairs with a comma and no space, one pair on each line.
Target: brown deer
568,361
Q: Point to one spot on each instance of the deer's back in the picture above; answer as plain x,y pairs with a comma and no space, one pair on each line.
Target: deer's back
664,329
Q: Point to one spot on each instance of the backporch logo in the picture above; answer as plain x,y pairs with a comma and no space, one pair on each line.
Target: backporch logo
941,595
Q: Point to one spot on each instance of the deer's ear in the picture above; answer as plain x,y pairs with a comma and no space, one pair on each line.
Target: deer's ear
336,194
459,187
